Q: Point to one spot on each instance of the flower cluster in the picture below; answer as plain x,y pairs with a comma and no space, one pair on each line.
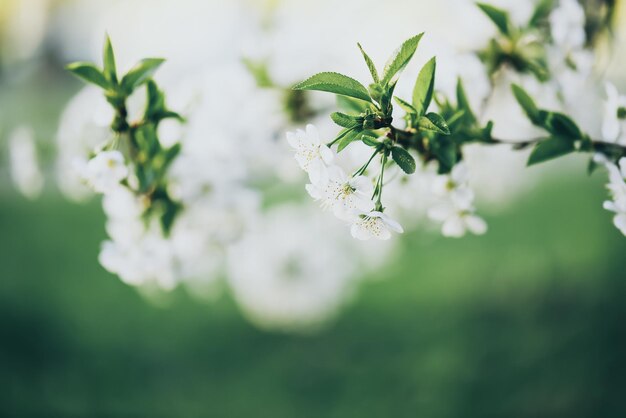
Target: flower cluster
220,182
349,197
357,198
440,137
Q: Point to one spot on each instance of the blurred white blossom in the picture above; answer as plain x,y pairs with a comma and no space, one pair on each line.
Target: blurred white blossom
374,224
291,271
104,171
25,171
614,123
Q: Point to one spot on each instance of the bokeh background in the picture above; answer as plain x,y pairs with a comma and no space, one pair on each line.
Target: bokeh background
526,321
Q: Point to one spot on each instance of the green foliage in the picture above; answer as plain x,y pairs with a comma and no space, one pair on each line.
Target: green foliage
149,159
541,13
346,121
404,160
370,139
349,137
400,58
370,65
498,16
435,123
140,73
446,152
110,70
464,104
335,83
260,72
564,132
406,106
551,148
350,105
562,125
89,73
424,87
522,48
527,104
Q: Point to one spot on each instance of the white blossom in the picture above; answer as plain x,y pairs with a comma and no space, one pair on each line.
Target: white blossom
455,209
617,189
292,271
567,24
342,194
105,171
374,224
25,171
456,222
614,127
311,154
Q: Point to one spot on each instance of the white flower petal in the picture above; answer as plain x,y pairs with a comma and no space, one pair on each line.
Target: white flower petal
476,224
453,227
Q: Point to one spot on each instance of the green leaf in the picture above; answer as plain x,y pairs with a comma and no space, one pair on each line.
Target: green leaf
370,64
376,91
528,104
497,16
434,123
169,156
424,87
400,58
350,105
156,100
385,100
345,121
370,139
550,148
350,136
335,83
463,103
90,73
140,73
110,71
456,116
562,125
408,107
260,72
592,166
446,153
541,12
404,160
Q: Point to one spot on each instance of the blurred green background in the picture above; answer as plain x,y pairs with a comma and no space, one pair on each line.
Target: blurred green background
527,321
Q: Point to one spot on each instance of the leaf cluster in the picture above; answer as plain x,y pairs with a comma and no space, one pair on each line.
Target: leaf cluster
150,159
520,47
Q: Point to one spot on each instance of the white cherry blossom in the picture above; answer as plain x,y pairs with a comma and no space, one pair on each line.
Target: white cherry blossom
374,224
455,209
311,154
617,189
456,222
342,194
105,171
